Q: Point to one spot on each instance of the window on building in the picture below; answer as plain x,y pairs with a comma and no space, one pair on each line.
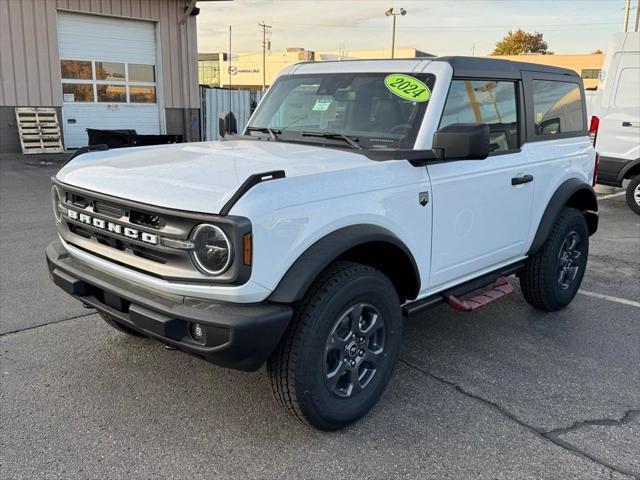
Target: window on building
209,73
557,107
485,101
107,82
590,73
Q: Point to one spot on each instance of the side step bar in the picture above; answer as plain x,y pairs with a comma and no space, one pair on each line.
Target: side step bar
496,279
499,289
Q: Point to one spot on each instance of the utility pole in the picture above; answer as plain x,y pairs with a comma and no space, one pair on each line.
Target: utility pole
265,28
627,8
390,13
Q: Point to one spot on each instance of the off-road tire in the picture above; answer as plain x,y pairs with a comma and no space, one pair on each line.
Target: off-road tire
118,326
296,367
631,194
540,278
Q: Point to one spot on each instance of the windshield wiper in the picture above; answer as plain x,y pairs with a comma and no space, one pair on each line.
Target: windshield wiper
341,136
273,134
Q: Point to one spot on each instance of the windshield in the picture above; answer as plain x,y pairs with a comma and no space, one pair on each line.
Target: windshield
378,110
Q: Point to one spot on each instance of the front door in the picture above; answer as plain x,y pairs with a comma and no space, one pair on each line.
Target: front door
481,208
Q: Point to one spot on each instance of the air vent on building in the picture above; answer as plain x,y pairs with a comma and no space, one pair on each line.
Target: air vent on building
39,130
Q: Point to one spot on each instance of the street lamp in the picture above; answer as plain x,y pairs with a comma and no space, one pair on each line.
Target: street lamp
391,13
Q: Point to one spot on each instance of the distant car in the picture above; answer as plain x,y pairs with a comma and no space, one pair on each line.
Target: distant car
360,191
615,124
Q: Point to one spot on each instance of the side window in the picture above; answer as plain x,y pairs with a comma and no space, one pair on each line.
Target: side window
557,107
485,101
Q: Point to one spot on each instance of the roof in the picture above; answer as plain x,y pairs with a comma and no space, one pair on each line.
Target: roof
467,66
474,66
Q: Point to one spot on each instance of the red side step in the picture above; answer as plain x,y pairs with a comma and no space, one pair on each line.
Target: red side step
498,290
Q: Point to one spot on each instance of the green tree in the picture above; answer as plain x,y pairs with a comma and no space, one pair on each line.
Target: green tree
521,43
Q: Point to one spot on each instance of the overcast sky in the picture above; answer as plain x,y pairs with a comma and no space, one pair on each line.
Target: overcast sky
441,27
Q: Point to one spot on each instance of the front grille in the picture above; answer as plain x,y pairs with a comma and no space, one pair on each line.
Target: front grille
131,234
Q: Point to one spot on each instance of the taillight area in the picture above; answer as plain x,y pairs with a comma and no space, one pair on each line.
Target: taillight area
593,129
595,169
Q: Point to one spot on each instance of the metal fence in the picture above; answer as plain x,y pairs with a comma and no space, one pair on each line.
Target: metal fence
217,100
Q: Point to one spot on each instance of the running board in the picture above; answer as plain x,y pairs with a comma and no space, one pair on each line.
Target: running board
499,289
418,306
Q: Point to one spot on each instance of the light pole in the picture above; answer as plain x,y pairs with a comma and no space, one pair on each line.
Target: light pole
391,13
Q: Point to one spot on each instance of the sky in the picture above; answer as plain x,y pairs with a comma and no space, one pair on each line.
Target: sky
440,27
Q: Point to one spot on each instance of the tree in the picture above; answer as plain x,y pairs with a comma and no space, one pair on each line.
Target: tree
597,52
521,43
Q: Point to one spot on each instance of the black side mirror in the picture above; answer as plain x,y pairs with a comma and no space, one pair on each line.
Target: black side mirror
227,124
463,141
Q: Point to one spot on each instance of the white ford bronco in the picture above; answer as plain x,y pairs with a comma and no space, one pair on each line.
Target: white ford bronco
360,192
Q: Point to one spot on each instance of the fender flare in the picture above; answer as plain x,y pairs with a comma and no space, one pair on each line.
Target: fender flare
623,173
295,283
560,199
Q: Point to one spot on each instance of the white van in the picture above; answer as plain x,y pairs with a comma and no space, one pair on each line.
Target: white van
615,125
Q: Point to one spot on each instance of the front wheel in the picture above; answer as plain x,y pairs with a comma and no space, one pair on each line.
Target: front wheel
339,352
551,278
633,194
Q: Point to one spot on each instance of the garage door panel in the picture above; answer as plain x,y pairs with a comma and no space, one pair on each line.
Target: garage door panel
142,118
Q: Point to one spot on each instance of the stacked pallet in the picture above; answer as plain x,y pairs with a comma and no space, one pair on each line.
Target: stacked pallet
39,130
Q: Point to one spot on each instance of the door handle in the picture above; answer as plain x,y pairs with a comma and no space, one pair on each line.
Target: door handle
521,180
630,124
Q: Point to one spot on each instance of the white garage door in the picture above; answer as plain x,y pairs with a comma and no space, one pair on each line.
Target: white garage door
109,75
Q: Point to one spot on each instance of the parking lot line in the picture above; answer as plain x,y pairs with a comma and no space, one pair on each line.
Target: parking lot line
612,195
624,301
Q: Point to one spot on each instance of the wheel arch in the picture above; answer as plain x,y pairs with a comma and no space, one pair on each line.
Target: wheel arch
367,244
571,193
630,170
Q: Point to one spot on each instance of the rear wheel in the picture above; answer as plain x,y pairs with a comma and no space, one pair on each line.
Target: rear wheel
552,276
633,194
339,352
119,326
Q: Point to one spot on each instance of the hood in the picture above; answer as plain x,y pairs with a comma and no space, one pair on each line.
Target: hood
197,177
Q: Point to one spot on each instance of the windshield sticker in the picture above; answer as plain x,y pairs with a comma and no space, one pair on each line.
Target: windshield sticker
322,104
407,87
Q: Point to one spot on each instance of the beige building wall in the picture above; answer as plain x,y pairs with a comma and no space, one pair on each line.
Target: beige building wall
247,67
29,61
577,63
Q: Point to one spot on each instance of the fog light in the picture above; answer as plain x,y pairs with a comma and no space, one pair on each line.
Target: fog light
197,332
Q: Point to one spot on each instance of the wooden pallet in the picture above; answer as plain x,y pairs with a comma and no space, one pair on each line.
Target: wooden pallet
39,130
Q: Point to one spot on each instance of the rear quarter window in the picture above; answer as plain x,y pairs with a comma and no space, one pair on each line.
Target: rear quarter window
557,107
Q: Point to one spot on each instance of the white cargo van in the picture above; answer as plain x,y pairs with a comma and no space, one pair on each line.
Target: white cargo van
615,125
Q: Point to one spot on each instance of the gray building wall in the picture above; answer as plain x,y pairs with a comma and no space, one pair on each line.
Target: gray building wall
30,65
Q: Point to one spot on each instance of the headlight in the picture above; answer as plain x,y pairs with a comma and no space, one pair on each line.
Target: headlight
56,203
211,249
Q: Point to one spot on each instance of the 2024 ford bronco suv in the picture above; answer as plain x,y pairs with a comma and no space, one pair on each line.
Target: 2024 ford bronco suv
359,192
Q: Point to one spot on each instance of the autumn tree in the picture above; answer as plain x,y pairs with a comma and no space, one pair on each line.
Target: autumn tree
521,43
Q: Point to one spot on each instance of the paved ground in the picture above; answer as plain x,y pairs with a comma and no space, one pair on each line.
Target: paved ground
504,393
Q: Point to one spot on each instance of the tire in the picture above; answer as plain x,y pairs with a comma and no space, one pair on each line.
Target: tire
551,278
118,326
310,371
633,194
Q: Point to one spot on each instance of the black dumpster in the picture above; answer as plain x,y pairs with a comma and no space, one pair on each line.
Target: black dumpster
128,138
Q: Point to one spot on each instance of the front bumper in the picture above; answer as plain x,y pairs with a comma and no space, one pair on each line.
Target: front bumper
240,336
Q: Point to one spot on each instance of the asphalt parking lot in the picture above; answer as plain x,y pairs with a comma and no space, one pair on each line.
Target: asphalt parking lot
503,393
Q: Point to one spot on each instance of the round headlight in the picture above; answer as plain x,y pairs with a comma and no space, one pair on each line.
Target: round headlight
56,203
211,249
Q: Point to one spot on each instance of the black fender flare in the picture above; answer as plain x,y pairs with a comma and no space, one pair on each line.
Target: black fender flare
585,201
623,173
295,283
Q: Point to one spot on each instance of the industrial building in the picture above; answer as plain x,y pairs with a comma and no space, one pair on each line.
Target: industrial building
120,64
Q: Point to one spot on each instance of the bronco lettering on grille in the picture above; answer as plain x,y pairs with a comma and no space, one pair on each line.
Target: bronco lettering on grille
113,227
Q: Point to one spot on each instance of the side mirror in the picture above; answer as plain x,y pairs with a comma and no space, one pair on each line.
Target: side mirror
463,141
227,124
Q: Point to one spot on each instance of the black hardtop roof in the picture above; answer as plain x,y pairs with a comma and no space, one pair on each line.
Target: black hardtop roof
492,67
474,66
